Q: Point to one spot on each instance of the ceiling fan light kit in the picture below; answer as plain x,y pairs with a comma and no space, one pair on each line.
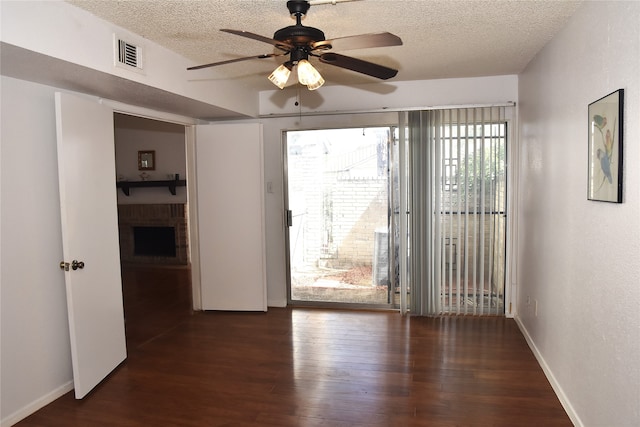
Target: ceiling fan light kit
280,75
301,42
309,76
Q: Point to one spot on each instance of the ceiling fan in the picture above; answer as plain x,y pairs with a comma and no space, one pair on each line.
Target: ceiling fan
301,42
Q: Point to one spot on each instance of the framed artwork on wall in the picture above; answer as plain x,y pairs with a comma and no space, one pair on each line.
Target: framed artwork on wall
605,148
147,160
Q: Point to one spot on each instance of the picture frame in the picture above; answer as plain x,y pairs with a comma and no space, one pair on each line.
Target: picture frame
147,160
606,119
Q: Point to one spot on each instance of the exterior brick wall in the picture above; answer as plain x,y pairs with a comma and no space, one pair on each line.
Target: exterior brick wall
337,208
360,207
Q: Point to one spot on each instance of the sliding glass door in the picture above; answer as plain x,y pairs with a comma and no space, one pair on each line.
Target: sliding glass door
340,200
410,216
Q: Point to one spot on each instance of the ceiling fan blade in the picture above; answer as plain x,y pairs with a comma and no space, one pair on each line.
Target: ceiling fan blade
231,61
279,44
361,41
358,65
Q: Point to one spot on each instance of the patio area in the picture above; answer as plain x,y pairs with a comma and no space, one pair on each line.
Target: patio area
352,285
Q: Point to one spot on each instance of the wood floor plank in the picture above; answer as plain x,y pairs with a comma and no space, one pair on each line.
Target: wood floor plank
312,367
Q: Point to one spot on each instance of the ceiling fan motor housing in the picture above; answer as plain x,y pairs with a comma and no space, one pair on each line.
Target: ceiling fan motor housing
299,35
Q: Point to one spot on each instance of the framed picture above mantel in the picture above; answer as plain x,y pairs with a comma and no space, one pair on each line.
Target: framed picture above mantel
147,160
605,148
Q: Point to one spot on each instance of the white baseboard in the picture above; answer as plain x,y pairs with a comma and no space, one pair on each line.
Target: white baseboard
564,401
36,405
277,303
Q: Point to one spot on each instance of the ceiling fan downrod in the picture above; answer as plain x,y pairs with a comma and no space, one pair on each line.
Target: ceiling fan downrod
298,9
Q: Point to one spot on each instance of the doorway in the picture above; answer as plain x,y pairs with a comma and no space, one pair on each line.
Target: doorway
153,226
339,196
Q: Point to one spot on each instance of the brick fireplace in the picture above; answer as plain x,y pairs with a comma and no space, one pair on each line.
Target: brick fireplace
147,231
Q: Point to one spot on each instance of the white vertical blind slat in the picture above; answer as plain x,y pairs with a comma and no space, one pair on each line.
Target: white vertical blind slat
403,215
459,214
494,223
492,197
482,168
467,209
436,154
448,186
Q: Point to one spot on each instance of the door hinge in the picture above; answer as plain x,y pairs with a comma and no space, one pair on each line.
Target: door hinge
289,218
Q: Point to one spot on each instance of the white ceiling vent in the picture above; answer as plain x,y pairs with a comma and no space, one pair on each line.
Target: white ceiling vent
127,55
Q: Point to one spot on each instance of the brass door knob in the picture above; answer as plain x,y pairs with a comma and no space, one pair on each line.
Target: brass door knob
75,264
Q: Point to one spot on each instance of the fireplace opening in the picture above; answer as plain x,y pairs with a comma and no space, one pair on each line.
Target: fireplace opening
154,241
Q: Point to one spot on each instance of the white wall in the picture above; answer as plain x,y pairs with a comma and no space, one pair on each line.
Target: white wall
133,134
579,259
35,351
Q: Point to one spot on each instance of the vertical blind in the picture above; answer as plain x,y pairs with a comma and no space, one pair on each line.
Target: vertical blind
457,211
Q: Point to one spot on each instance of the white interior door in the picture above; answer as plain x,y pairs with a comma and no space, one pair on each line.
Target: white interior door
230,191
86,163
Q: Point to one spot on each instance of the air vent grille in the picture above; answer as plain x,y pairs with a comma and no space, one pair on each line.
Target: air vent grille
129,54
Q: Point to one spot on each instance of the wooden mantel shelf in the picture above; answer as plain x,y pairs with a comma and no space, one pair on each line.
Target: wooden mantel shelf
171,184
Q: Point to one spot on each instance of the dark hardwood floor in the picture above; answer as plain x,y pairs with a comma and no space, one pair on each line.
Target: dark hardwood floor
309,367
156,299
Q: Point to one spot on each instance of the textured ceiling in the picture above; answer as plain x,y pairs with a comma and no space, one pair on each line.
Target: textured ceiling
441,39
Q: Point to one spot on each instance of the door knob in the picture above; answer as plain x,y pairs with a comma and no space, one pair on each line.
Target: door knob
75,264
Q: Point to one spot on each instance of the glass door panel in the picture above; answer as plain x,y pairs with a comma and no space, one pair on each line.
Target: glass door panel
338,212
